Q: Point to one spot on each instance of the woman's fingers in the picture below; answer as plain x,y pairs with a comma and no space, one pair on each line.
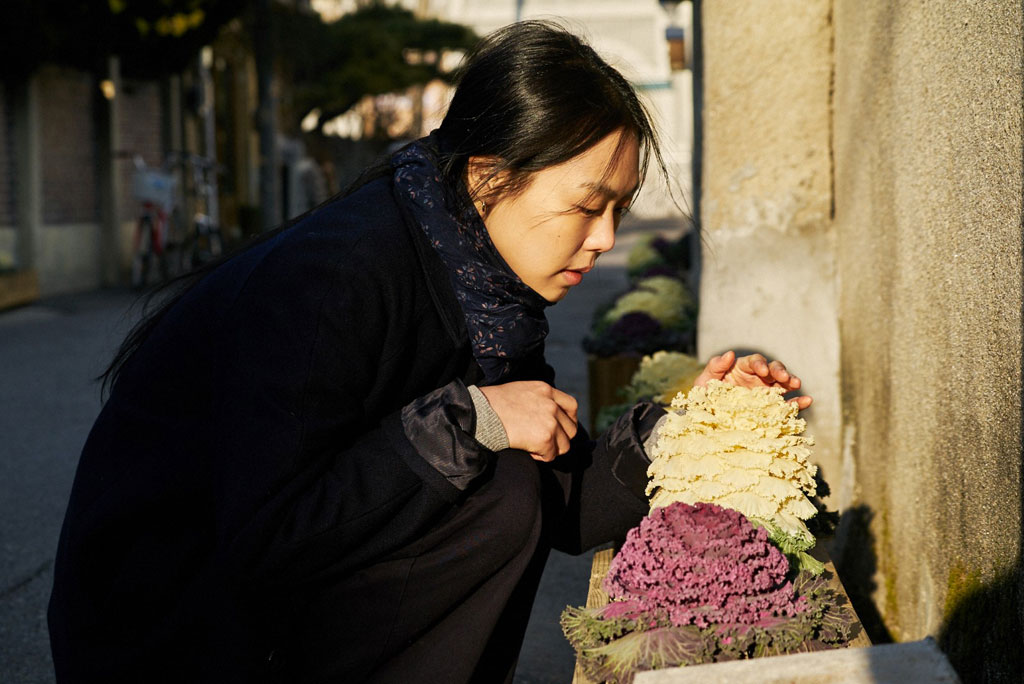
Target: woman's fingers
716,369
567,423
568,404
558,443
769,373
720,365
753,370
754,364
801,402
537,418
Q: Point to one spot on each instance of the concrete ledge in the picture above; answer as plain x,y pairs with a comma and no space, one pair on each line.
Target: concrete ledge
907,663
18,288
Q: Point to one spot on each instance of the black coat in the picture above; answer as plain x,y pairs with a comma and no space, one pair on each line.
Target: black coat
253,454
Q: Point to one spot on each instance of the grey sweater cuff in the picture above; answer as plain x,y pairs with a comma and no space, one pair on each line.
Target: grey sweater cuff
489,430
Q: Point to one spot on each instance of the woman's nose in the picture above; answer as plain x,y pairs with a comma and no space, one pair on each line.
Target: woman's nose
602,237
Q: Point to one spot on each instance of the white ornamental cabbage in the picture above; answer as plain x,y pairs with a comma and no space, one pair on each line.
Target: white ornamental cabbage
663,298
661,376
738,448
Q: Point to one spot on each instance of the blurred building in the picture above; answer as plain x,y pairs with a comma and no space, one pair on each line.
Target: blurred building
67,137
56,177
67,142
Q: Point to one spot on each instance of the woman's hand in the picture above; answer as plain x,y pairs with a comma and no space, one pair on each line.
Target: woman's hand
537,417
751,371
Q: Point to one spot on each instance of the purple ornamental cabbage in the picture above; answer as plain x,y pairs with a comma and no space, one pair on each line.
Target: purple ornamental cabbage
699,584
637,333
662,246
634,324
700,565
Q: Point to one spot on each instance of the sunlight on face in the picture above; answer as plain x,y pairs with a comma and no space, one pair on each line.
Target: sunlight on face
552,232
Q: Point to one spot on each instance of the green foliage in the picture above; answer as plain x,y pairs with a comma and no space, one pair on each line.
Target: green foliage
795,548
376,49
588,628
152,37
801,560
620,659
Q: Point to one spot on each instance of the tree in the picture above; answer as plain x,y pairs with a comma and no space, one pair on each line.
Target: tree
152,37
376,49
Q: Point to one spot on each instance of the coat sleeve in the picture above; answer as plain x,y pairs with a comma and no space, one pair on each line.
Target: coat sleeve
362,504
597,491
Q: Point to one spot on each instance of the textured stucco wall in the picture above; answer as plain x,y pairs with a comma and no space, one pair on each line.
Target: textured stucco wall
928,181
768,276
863,167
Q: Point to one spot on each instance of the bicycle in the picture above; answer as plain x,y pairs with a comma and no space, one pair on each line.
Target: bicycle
204,242
155,189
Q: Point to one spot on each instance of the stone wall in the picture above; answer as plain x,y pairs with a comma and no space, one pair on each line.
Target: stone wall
65,253
863,177
768,275
52,177
928,191
68,153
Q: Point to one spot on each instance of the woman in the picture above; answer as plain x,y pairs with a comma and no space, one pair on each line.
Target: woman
338,455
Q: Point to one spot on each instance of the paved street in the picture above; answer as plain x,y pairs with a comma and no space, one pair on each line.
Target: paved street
49,354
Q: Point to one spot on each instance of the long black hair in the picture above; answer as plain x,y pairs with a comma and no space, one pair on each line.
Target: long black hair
529,96
533,95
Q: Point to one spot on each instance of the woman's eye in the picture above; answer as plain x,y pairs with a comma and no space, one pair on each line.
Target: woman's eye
594,213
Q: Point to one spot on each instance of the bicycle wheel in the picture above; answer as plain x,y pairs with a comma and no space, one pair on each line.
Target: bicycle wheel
176,245
149,265
206,242
143,252
216,244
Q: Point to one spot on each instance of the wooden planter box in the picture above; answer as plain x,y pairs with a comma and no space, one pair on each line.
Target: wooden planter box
596,596
606,375
18,288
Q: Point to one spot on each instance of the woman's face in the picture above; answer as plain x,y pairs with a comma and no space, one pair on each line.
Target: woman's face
552,232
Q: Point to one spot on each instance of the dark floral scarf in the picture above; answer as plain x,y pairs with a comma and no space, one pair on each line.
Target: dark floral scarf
504,317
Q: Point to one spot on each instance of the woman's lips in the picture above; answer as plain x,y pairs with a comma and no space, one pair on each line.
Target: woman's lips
574,276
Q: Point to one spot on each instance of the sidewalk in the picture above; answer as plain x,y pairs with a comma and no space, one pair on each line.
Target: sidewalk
50,352
547,658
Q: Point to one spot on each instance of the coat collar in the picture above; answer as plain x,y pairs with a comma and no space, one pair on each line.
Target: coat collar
438,282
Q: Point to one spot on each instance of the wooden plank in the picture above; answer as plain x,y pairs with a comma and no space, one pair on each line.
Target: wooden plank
605,377
596,596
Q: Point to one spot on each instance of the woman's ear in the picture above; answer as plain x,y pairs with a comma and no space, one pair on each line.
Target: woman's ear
481,180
